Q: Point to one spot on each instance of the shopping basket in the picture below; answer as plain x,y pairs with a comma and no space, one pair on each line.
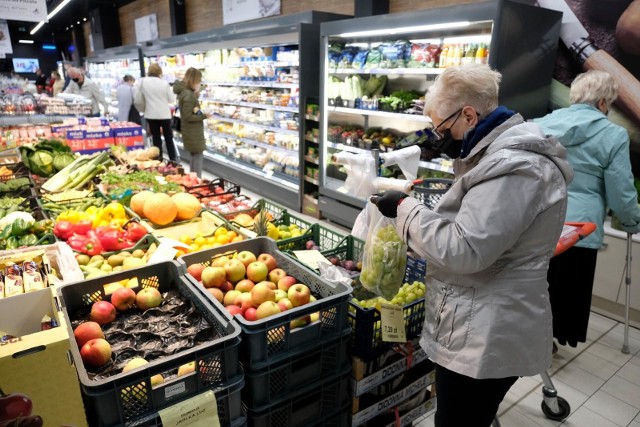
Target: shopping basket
429,191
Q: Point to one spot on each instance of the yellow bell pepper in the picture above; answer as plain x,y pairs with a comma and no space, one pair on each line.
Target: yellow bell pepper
115,210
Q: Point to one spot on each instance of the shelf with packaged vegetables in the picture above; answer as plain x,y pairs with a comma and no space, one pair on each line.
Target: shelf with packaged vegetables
406,52
232,137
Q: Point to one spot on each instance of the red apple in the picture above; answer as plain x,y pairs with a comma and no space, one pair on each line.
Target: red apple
213,277
217,294
230,297
266,309
285,304
280,294
233,309
123,299
250,314
196,271
235,270
102,312
243,301
226,286
257,271
87,331
270,285
246,257
286,282
276,274
244,285
269,260
262,293
299,295
96,352
148,298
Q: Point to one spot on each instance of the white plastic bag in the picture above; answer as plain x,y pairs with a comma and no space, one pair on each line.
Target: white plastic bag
361,225
385,257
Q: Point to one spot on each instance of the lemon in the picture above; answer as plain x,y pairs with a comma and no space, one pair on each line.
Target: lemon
272,231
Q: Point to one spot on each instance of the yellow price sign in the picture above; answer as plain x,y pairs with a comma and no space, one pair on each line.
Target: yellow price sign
199,411
392,323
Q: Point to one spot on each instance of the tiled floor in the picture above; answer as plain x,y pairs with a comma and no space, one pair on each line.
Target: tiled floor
601,384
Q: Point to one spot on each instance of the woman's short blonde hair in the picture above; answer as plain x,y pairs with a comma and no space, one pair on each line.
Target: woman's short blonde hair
592,86
154,70
475,85
192,77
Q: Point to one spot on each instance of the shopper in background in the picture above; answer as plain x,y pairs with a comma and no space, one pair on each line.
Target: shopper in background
192,117
158,97
487,244
55,83
41,80
67,66
598,150
82,85
124,94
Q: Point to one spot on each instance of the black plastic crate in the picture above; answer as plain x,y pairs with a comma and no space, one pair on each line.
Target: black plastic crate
430,190
18,170
230,412
270,340
208,189
415,270
125,397
267,385
310,406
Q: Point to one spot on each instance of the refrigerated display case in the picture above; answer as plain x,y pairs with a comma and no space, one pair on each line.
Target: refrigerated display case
377,69
257,77
107,68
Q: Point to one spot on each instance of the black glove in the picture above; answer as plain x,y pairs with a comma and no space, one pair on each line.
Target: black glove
388,202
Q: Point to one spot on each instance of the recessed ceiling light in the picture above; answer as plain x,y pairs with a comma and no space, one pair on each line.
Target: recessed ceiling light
67,28
78,22
71,25
84,19
25,41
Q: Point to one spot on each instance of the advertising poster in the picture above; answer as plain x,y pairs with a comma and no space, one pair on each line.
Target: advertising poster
246,10
146,28
24,10
5,40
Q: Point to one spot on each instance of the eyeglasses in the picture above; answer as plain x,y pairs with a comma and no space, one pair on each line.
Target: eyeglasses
439,134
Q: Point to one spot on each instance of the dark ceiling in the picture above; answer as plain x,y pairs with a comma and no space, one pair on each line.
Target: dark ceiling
58,29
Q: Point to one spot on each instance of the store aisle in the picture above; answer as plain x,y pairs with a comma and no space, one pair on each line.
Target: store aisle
601,384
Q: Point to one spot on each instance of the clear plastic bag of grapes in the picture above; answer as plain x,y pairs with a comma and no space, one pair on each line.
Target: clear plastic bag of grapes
385,257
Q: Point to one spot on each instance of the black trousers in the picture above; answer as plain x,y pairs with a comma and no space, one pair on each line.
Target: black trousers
570,278
154,127
468,402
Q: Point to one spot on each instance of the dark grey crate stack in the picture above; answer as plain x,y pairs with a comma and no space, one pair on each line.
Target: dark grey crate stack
300,376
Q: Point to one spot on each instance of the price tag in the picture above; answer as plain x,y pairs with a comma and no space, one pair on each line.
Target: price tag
199,411
165,252
392,322
311,258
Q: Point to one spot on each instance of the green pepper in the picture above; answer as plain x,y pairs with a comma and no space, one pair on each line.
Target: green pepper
28,240
19,228
12,243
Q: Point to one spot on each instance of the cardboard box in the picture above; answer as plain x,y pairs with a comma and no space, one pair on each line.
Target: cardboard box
128,135
37,363
310,206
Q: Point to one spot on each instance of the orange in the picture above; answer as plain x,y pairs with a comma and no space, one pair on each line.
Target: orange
188,206
232,234
160,209
137,202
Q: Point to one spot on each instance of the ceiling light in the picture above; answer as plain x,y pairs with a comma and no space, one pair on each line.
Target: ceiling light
406,30
78,22
53,13
71,25
25,41
84,19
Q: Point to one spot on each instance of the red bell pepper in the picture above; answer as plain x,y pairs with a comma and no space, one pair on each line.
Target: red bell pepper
89,244
135,231
112,239
83,227
64,230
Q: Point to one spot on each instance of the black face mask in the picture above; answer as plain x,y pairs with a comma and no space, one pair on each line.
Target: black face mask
448,146
77,80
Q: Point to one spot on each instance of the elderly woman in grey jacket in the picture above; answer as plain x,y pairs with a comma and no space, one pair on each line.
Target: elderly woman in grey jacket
487,244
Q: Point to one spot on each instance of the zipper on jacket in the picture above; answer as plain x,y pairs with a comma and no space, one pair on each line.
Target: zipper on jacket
446,292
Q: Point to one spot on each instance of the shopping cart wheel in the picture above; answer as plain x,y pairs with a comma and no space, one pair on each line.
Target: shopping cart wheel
563,409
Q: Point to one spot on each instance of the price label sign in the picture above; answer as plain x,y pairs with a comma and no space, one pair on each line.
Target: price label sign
199,411
392,322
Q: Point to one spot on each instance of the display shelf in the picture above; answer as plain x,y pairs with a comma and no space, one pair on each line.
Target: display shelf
347,148
311,139
377,113
389,71
436,166
253,105
274,85
253,142
311,180
313,160
255,125
280,178
265,63
32,119
310,117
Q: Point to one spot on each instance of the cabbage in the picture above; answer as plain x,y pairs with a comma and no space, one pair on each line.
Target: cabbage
41,163
62,160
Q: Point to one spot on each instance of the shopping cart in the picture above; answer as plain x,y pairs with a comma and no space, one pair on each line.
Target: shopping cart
554,407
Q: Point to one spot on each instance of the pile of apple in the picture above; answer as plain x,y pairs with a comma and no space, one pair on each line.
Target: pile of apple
95,351
253,286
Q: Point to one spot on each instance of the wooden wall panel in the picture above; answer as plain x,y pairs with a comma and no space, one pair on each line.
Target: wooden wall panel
86,30
132,11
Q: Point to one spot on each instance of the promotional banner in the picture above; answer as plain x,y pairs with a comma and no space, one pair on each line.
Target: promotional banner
246,10
146,28
24,10
5,40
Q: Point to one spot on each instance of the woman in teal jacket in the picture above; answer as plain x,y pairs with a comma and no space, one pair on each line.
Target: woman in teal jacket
598,151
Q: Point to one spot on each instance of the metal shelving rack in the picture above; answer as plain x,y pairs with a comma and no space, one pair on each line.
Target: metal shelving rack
300,30
522,41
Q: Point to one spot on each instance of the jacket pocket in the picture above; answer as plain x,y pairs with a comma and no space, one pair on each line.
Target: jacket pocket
451,315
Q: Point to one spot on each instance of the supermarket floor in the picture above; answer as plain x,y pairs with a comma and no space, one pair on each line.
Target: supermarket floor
601,384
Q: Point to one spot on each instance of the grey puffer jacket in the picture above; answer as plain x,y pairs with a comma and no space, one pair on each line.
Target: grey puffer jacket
487,245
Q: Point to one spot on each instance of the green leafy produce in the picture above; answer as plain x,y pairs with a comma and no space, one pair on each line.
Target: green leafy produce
62,160
399,100
41,162
78,173
138,181
14,185
46,157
